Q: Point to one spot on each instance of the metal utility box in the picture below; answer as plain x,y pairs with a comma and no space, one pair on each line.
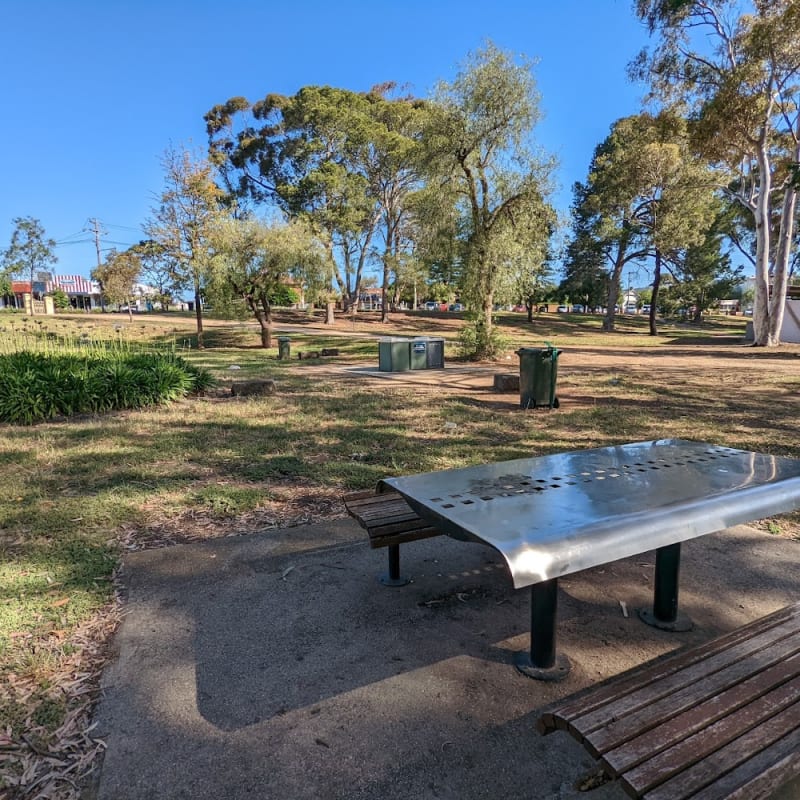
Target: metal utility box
435,353
394,355
284,347
538,368
418,350
427,353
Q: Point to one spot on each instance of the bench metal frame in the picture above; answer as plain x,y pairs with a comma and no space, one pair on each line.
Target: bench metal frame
555,515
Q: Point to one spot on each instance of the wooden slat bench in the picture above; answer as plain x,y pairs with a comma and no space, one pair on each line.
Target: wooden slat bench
389,521
721,720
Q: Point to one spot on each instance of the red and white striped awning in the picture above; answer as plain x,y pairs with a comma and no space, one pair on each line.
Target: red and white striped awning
73,284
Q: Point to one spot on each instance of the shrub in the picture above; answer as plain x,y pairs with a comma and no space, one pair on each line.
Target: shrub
40,386
475,343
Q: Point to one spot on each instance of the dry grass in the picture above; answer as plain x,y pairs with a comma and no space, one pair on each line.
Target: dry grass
80,493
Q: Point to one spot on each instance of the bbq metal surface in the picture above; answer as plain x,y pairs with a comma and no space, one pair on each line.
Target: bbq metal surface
553,515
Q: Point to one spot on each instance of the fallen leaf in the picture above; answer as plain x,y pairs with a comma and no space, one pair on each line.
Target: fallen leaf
62,602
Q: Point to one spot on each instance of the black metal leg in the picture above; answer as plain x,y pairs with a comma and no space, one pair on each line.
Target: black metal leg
393,577
542,662
665,592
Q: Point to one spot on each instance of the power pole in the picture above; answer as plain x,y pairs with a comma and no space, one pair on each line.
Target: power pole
95,229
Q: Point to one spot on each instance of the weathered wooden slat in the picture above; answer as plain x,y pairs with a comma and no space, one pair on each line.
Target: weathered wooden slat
697,759
401,538
387,518
354,497
557,717
655,690
760,776
727,726
692,692
696,718
688,782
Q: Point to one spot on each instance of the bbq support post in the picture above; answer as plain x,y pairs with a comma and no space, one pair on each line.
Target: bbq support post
393,576
541,661
665,614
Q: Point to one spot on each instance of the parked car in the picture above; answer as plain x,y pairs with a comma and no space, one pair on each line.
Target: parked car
646,308
630,309
431,306
748,312
577,309
456,307
562,310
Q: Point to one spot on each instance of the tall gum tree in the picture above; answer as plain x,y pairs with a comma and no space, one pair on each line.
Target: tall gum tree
182,224
254,261
340,159
479,148
118,275
394,172
646,197
739,74
29,252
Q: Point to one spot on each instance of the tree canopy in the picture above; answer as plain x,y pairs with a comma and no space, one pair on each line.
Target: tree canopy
181,225
480,155
30,250
254,261
738,75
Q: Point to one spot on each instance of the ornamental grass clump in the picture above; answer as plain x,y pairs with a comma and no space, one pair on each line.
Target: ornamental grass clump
37,386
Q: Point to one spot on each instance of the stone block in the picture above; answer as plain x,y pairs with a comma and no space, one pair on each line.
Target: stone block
253,388
506,382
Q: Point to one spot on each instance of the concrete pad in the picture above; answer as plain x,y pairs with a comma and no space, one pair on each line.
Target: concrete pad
276,666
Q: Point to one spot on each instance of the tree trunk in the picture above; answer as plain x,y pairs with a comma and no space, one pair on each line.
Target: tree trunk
613,294
488,312
780,273
384,292
761,213
654,296
198,313
329,315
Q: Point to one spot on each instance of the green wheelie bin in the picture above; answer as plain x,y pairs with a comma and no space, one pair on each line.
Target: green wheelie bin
538,368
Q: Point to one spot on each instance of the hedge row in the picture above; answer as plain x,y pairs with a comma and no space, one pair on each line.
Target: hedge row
39,386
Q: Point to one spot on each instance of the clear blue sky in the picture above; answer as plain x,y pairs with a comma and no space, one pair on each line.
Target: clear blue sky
94,92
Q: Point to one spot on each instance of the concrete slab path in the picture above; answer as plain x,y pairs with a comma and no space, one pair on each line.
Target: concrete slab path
275,666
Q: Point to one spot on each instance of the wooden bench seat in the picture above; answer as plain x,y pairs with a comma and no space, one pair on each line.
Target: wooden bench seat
389,522
721,720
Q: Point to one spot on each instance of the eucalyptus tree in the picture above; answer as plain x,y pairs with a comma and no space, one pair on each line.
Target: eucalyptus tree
646,197
181,225
393,168
586,256
159,270
704,273
739,74
479,151
254,261
342,160
118,276
29,251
